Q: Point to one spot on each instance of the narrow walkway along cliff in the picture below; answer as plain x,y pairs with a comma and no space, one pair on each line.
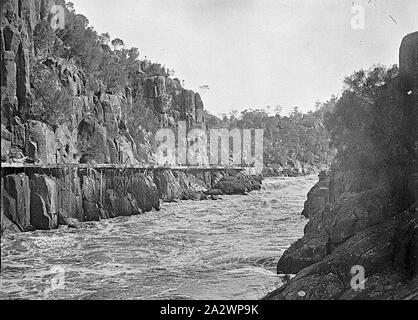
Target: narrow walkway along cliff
56,115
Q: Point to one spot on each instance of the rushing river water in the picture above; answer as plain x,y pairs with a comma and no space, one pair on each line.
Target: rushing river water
225,249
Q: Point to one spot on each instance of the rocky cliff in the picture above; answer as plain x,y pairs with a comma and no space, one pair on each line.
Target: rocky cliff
55,113
94,129
355,221
38,199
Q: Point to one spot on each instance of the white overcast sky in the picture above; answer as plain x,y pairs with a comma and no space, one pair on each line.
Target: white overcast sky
254,53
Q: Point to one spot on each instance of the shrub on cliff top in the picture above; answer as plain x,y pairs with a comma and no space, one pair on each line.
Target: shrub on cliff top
368,124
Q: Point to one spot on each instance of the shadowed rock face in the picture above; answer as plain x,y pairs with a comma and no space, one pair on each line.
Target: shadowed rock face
374,248
43,202
93,132
39,201
36,201
40,142
353,225
408,61
170,100
44,144
336,213
16,200
409,73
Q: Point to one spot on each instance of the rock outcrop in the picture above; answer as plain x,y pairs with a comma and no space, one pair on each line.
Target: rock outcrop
356,222
408,65
43,202
172,103
39,201
91,128
238,184
336,213
376,249
346,228
94,129
91,131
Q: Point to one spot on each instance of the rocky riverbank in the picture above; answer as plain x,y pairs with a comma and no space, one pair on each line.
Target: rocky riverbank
40,200
362,220
350,226
57,113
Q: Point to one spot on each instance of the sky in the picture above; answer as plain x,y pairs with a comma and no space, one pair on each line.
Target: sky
258,53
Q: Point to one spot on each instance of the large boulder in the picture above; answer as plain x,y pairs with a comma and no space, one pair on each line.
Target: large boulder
231,185
238,184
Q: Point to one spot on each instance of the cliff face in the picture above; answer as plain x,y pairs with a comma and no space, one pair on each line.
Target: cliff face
172,102
95,128
37,199
90,127
93,131
409,74
352,223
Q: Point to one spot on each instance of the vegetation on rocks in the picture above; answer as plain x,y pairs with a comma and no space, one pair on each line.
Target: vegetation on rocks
364,212
294,144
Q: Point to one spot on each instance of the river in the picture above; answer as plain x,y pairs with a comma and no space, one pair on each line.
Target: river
225,249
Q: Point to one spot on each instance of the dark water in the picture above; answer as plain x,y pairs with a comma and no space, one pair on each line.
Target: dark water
224,249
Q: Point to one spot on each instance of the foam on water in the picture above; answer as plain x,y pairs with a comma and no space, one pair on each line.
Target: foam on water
224,249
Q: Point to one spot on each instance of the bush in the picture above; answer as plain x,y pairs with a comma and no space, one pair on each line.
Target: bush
43,38
53,103
368,125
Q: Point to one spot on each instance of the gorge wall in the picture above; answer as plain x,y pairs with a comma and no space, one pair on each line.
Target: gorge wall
92,129
39,199
353,223
95,130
